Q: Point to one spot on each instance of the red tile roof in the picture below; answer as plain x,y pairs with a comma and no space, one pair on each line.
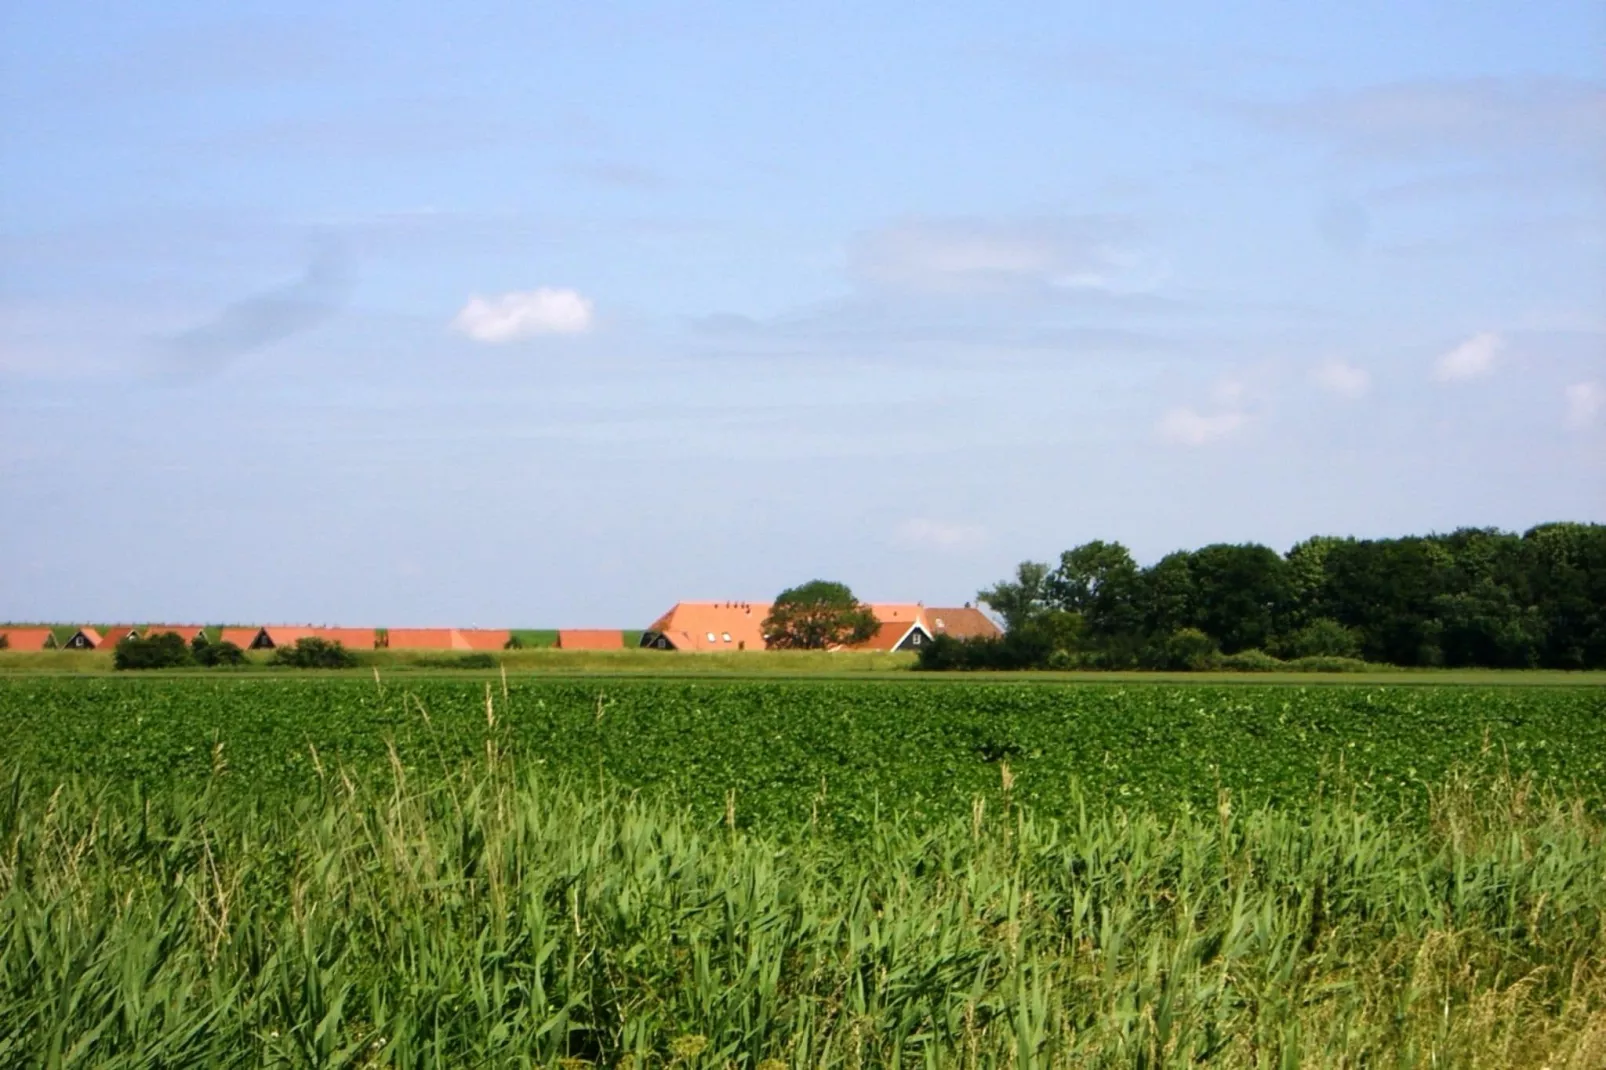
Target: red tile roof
714,625
98,640
590,639
888,636
28,638
240,637
480,638
422,639
351,638
187,632
963,623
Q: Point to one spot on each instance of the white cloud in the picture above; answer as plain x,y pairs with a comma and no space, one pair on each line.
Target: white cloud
512,316
1190,427
1585,402
938,535
1472,359
1343,379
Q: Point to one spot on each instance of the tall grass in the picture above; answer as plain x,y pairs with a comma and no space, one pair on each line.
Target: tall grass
488,918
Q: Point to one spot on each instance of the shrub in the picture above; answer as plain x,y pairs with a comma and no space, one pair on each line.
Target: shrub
1251,661
1323,637
312,652
513,642
1333,664
1023,648
1184,649
458,661
214,654
5,641
164,651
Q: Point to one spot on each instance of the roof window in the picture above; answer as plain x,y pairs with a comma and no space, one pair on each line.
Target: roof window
726,636
711,637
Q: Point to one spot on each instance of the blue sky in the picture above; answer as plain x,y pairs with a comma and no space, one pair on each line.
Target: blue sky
536,314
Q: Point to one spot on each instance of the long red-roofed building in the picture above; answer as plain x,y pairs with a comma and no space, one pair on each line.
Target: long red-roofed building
591,639
29,639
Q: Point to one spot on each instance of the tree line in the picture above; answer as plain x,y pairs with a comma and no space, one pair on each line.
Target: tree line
1474,597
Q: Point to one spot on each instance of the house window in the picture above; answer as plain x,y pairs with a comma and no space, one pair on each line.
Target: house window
915,639
726,636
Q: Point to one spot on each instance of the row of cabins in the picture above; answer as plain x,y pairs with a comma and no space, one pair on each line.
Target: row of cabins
689,626
271,636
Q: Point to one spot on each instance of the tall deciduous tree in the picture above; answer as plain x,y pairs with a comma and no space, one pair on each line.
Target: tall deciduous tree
1022,599
817,616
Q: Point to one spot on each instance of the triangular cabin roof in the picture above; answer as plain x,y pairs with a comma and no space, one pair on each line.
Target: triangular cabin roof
591,639
88,638
890,635
29,639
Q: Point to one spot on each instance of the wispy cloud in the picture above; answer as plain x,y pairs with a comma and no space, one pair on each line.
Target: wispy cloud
1187,426
940,535
1586,402
1342,378
261,319
516,315
1479,116
1473,359
977,257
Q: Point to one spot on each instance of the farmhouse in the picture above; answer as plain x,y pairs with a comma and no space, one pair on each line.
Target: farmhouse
703,626
590,639
29,639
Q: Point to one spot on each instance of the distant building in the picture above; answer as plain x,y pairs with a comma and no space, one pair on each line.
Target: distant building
273,636
421,639
243,638
29,639
87,638
704,626
591,639
187,632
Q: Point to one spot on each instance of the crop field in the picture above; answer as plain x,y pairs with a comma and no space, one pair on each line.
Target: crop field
796,752
262,870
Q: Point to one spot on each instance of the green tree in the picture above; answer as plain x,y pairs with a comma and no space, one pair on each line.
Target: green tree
164,651
1019,600
1100,582
1241,594
817,616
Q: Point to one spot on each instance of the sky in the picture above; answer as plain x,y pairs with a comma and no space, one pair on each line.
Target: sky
546,315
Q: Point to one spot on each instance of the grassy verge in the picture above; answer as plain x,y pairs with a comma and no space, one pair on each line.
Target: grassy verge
488,917
767,664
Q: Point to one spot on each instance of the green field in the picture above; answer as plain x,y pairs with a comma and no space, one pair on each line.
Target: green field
837,751
424,869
